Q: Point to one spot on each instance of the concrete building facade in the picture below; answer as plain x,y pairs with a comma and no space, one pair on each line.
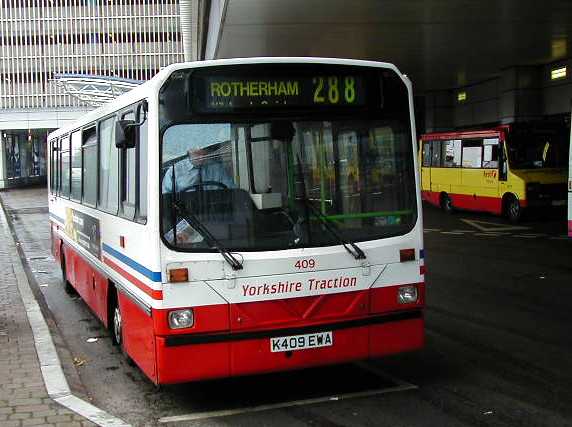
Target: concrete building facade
41,40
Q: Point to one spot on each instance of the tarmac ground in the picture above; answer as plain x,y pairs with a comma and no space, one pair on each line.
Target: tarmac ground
499,310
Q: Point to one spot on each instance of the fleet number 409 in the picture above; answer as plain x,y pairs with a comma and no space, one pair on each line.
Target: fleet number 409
302,264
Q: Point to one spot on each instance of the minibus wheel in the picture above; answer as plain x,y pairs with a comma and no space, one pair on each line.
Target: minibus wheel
447,203
69,289
513,210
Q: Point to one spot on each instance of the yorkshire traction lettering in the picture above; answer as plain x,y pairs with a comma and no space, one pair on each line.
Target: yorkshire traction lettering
254,88
286,287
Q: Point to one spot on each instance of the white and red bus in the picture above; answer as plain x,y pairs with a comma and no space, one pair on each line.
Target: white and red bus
242,216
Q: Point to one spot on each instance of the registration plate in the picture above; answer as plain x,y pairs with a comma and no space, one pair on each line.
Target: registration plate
558,202
301,342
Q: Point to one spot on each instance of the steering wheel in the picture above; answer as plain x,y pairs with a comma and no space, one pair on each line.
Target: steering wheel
206,184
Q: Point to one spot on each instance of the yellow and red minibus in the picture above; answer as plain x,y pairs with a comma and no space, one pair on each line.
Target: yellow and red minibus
502,170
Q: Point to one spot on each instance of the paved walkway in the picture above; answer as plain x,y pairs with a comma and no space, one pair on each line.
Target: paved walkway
24,400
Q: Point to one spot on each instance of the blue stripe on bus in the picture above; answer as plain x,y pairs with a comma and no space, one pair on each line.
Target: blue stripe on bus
155,276
57,218
421,253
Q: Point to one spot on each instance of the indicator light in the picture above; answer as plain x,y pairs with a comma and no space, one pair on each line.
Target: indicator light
407,255
178,275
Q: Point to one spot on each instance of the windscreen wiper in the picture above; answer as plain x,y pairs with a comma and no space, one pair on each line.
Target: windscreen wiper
353,249
349,246
192,219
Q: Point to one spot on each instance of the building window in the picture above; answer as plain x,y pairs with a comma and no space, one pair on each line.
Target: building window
108,167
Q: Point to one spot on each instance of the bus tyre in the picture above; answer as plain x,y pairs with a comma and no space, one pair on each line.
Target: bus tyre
69,289
117,330
447,203
512,208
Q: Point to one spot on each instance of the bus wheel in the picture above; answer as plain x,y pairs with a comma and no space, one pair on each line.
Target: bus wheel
447,203
67,285
512,208
117,329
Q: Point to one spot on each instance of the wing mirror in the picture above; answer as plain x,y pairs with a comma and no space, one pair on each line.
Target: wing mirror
125,133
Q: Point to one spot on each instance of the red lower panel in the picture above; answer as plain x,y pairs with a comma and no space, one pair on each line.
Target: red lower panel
384,300
254,356
477,203
205,361
570,227
208,318
301,311
138,335
431,197
468,202
191,362
397,337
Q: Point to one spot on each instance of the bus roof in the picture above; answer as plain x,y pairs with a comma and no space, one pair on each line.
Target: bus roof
153,85
466,134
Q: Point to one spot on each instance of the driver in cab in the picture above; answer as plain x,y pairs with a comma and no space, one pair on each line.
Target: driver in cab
202,169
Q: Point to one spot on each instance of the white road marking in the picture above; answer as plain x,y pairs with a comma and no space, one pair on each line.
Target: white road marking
432,229
524,236
463,231
493,226
488,234
452,232
401,386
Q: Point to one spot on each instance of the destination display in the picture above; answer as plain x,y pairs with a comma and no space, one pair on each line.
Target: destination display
232,93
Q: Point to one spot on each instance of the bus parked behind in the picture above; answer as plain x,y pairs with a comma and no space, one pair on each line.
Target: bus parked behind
503,170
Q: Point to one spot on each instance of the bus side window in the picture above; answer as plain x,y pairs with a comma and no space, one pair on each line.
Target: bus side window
491,153
89,166
503,164
65,166
141,174
53,152
472,153
128,176
75,190
108,167
451,154
436,154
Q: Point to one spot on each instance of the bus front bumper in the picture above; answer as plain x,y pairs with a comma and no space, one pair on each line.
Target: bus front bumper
185,358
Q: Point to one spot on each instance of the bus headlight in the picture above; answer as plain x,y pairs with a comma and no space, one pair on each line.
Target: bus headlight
181,318
407,294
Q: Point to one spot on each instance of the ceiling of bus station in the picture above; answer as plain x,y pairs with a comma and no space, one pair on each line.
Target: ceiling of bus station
440,44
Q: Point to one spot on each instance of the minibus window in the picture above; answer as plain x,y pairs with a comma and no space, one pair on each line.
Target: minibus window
451,153
436,154
427,153
473,153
